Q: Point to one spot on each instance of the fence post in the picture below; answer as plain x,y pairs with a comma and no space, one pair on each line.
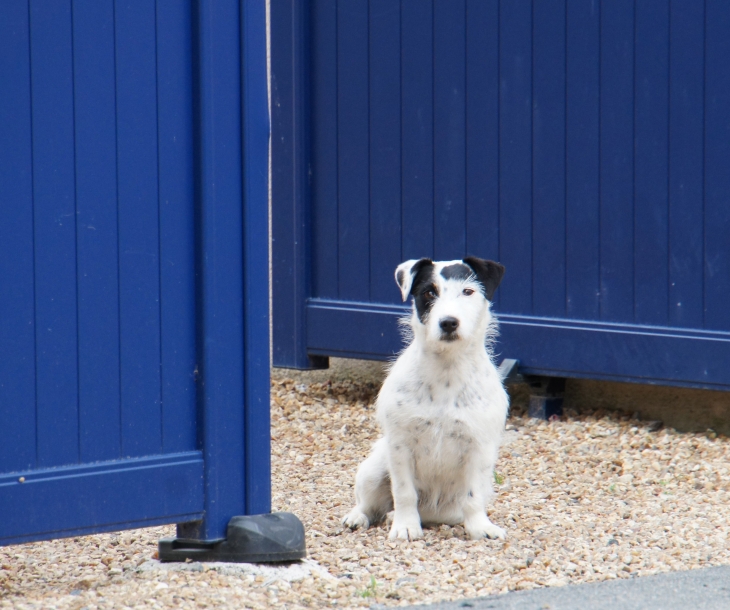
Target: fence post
256,129
232,133
220,270
291,183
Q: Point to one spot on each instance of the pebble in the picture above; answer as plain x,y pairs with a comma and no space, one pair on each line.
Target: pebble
594,496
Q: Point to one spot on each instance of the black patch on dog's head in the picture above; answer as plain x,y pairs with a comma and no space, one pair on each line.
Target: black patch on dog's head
457,271
488,273
405,275
423,288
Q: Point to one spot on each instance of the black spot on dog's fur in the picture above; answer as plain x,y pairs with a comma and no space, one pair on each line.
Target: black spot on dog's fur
457,271
423,288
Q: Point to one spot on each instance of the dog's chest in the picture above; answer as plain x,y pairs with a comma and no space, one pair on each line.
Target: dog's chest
444,426
444,420
445,435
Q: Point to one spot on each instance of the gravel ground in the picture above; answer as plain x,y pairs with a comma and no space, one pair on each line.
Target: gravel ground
594,497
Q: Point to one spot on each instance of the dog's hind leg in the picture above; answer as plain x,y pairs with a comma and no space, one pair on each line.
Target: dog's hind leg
372,490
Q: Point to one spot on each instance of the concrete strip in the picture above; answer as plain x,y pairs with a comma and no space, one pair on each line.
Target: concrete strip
705,589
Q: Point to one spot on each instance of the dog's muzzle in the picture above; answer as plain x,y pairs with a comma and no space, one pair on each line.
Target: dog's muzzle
448,327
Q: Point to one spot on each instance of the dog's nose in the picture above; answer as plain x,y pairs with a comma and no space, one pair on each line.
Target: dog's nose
449,325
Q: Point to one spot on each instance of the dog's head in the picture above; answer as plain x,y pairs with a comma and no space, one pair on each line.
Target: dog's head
451,298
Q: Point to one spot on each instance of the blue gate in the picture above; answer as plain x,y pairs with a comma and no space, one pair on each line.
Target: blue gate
584,144
133,266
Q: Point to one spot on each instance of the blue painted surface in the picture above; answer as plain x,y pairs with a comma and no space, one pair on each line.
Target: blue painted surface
385,154
257,366
717,153
17,300
138,213
220,300
417,139
102,496
54,235
291,135
449,128
177,224
134,334
482,127
323,132
583,144
353,150
550,346
97,230
582,166
651,160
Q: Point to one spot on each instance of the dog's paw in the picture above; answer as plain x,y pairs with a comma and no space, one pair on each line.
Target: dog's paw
405,530
479,526
355,519
494,532
486,530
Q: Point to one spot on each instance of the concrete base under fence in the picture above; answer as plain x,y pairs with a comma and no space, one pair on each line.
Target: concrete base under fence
685,409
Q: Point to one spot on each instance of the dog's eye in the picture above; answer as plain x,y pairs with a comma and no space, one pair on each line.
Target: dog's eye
468,292
430,294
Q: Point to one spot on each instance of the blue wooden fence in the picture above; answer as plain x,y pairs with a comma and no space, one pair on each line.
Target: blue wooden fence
584,144
133,265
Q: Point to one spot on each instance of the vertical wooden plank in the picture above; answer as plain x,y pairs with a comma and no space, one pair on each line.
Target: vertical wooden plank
417,127
291,171
617,161
482,128
515,154
96,229
651,162
449,128
582,160
352,150
220,266
177,230
17,308
385,136
717,166
686,144
257,386
139,278
55,232
548,158
324,122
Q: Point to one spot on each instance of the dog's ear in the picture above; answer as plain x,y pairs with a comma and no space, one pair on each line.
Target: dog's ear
488,273
406,272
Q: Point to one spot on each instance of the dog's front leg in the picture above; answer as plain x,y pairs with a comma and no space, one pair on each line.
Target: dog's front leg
406,520
476,522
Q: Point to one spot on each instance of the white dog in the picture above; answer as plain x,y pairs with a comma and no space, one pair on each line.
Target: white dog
442,407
